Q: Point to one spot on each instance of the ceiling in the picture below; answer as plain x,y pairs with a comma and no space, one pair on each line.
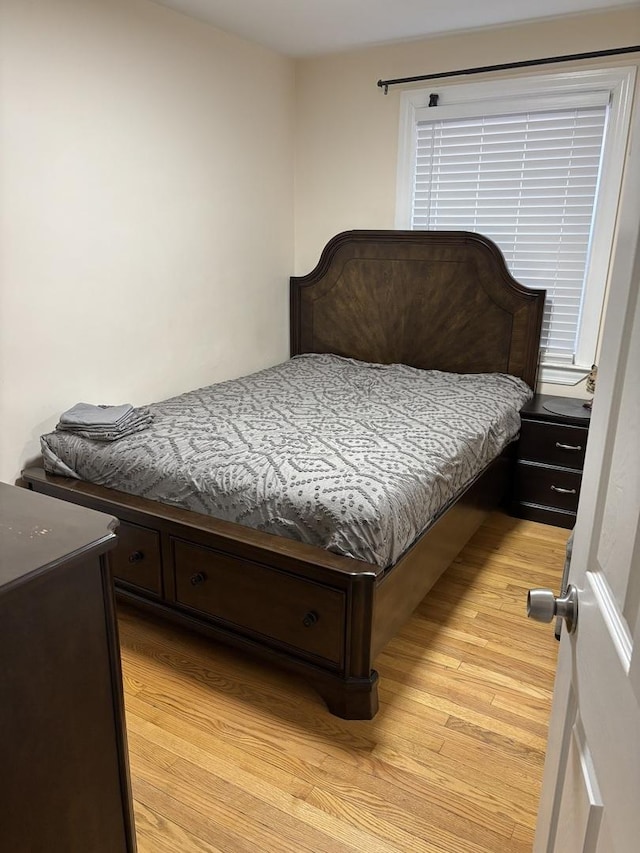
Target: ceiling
310,27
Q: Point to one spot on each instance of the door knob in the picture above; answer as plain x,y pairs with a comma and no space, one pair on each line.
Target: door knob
542,605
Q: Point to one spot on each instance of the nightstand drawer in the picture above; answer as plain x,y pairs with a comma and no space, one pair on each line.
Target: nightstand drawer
553,444
551,487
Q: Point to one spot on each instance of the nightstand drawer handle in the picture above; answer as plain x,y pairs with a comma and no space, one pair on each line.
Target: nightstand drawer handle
564,491
574,447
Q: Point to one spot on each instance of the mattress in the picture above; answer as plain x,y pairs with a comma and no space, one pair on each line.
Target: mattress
353,457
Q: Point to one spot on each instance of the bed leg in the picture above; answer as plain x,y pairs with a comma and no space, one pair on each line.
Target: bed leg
353,698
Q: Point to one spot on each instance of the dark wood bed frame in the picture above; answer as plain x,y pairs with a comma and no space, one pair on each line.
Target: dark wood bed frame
441,300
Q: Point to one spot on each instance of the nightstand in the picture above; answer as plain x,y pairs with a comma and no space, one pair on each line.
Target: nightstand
550,459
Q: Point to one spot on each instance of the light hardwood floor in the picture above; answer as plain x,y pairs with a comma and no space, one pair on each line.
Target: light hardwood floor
227,755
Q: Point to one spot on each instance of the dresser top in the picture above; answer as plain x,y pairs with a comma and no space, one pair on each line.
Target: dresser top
37,532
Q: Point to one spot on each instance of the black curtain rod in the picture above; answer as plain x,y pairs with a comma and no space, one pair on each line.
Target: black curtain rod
527,63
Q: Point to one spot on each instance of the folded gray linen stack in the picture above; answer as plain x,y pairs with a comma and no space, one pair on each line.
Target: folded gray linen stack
104,423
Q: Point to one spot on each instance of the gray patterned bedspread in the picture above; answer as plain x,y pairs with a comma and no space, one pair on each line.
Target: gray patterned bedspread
356,458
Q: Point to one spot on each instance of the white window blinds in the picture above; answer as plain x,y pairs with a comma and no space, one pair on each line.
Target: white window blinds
528,181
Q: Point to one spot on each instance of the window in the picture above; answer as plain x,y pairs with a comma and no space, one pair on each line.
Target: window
534,164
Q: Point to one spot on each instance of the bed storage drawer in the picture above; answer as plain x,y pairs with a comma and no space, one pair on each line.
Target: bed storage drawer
136,559
289,610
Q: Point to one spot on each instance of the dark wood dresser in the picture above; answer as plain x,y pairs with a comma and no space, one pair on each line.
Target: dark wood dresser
550,459
65,778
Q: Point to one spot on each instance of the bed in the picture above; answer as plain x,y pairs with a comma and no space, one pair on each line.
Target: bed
392,304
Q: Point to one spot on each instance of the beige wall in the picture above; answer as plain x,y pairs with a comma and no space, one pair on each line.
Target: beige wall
147,209
347,129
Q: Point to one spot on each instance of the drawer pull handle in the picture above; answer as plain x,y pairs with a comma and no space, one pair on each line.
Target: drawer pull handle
310,619
562,491
136,557
574,447
198,578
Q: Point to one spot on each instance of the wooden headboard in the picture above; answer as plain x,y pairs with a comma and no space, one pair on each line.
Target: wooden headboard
441,300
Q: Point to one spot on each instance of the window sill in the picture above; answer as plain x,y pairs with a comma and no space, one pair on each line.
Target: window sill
562,374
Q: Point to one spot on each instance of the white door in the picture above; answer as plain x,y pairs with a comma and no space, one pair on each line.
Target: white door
591,789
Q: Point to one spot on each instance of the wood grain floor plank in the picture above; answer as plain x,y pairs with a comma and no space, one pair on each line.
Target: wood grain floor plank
440,683
183,740
507,728
435,786
448,783
421,628
156,834
208,826
272,819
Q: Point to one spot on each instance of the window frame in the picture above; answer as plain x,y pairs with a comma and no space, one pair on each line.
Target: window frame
503,92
